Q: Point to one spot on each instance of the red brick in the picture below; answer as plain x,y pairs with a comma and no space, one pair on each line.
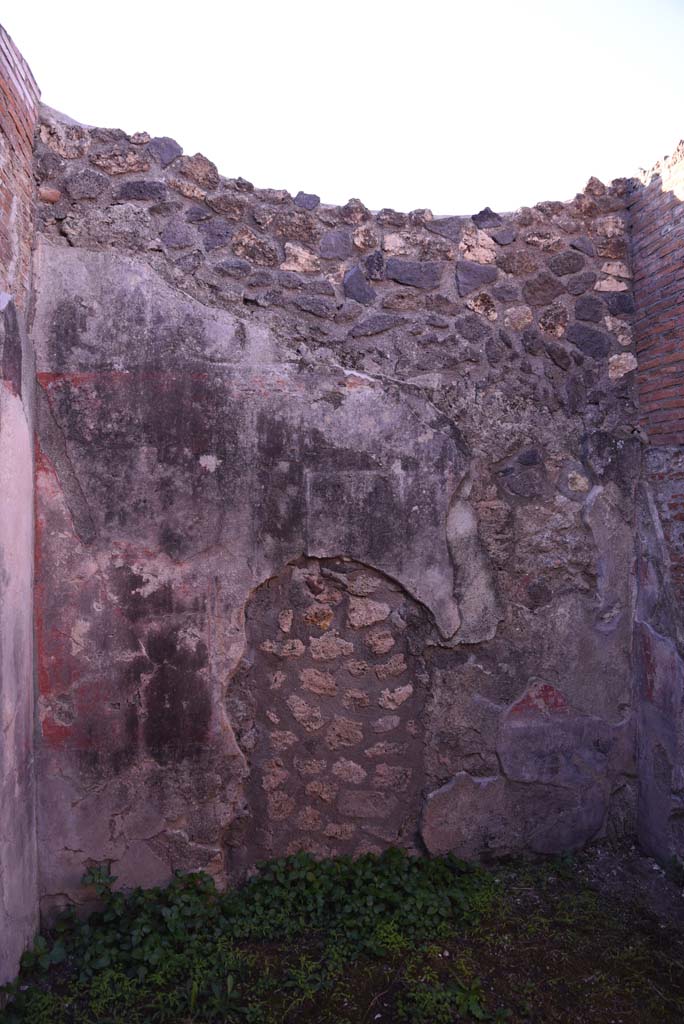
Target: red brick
18,108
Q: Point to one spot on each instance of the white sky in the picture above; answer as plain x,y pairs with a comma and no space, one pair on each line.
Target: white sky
443,104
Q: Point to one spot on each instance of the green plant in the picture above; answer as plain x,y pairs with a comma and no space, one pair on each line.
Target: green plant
431,1001
306,942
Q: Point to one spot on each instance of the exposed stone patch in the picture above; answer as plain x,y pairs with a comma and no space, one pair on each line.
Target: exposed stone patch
339,726
364,612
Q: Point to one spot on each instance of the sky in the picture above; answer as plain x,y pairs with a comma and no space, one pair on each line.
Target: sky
443,104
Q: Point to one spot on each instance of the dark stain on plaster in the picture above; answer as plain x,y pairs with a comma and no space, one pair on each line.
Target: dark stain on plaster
177,700
128,589
11,355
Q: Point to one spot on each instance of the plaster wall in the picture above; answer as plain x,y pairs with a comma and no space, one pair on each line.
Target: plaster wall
18,864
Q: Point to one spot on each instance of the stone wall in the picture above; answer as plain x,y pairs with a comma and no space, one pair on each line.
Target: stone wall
349,531
657,209
342,506
18,871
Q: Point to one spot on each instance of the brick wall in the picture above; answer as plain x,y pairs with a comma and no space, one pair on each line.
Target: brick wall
658,243
657,209
658,248
19,98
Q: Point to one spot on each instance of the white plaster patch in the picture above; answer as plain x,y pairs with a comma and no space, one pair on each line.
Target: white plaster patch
577,482
620,365
477,246
78,635
396,245
621,330
611,284
616,268
297,258
610,227
210,462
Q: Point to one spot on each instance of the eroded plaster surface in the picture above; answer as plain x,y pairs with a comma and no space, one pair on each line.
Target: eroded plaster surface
18,863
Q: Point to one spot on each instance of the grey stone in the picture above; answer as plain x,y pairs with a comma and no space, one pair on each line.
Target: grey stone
468,817
336,244
216,232
435,320
177,234
506,292
415,273
530,457
447,227
164,150
197,213
376,324
153,191
470,276
319,286
375,266
260,279
532,342
517,261
612,459
86,184
581,283
473,328
619,302
584,244
322,308
489,817
558,354
542,289
354,212
504,235
590,341
543,739
233,267
392,218
307,200
495,350
589,307
487,218
356,286
290,280
525,479
109,135
539,594
189,262
566,263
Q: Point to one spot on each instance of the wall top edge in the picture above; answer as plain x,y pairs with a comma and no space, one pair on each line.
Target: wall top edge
663,168
11,55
